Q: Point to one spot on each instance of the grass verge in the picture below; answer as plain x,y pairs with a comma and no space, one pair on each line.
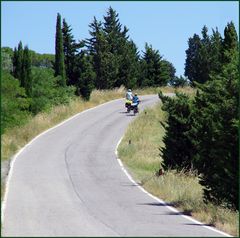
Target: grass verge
139,151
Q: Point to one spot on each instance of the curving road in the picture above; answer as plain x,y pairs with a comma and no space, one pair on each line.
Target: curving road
68,182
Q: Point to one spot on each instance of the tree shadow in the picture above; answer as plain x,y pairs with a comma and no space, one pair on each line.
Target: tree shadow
196,224
158,204
187,212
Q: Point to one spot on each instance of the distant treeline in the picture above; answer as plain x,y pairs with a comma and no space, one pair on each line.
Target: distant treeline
202,131
33,82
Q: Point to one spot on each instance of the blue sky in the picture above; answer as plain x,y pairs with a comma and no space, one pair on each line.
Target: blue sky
165,25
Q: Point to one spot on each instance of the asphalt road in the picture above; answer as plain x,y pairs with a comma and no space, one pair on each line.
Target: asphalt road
68,182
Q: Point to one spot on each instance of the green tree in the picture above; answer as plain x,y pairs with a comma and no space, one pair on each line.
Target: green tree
42,60
22,67
179,81
178,148
98,48
215,51
86,77
59,54
151,68
26,79
167,73
17,61
70,48
117,50
46,90
215,135
7,55
115,58
14,103
129,66
230,42
204,57
192,66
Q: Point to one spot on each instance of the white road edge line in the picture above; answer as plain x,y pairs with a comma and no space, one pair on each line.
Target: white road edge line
158,199
4,201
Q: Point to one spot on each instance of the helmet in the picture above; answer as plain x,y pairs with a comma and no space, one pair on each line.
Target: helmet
129,90
135,94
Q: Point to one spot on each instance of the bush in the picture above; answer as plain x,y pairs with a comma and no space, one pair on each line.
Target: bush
14,105
46,91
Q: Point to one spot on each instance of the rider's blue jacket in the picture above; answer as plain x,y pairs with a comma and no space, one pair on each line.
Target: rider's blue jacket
135,99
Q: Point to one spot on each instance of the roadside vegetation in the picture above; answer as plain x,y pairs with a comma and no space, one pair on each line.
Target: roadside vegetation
196,135
179,188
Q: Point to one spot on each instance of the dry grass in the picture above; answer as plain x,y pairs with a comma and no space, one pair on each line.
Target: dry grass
182,189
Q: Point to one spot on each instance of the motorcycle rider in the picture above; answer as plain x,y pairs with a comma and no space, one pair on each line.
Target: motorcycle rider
135,99
129,95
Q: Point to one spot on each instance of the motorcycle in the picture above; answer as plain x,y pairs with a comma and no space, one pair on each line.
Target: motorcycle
131,106
128,104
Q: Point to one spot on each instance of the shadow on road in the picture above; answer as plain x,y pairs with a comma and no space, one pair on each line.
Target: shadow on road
131,185
157,204
185,212
195,224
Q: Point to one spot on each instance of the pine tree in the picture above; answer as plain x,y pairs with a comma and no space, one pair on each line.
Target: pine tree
178,148
230,42
59,54
167,73
98,48
113,31
70,48
215,135
117,41
115,58
204,57
216,51
86,76
192,59
151,68
129,66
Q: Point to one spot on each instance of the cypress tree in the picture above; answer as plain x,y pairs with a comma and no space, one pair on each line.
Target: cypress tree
59,54
26,80
17,61
22,68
